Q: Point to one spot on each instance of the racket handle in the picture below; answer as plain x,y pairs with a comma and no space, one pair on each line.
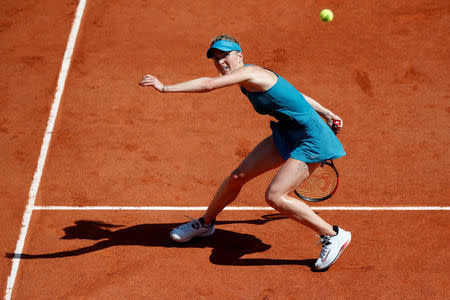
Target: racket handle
336,123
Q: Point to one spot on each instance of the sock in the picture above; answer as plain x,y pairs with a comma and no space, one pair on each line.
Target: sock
336,229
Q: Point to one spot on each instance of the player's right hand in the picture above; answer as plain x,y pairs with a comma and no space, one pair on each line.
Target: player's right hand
150,80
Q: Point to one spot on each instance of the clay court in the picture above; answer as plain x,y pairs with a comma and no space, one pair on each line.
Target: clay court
95,171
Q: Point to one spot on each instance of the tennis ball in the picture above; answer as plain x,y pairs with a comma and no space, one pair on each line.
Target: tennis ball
326,15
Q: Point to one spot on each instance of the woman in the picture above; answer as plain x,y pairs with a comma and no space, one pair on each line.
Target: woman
300,140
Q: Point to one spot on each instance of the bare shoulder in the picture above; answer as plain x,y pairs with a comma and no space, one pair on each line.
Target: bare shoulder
254,69
260,79
248,69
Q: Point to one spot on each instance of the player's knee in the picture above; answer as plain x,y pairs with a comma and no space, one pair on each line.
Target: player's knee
273,197
237,178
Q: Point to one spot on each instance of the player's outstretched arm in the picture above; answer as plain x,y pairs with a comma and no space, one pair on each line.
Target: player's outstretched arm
199,85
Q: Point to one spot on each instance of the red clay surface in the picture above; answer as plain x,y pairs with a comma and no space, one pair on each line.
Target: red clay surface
33,37
382,66
243,260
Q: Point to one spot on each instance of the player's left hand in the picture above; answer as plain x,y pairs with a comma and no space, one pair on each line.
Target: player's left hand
150,80
336,123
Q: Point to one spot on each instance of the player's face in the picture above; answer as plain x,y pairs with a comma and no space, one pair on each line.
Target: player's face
226,62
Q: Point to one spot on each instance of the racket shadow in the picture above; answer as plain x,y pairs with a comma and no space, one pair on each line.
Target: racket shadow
228,247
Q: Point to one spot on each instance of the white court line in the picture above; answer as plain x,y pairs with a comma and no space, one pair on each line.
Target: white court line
182,208
44,148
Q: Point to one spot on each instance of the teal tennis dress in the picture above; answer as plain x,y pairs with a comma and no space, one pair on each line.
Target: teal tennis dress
299,132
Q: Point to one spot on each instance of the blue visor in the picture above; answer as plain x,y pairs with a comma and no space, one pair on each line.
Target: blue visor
223,45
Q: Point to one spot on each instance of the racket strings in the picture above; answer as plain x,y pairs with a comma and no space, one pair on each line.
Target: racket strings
320,183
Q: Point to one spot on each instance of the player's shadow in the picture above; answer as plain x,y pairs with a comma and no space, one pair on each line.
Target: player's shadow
228,247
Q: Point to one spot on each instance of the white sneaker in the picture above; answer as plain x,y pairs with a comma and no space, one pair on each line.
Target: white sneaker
332,247
192,229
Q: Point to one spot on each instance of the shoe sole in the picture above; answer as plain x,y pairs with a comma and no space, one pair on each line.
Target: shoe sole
339,254
205,234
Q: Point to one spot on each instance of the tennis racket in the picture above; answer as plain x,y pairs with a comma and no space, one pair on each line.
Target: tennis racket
322,183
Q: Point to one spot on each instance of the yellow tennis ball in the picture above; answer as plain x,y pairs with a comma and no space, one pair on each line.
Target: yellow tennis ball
326,15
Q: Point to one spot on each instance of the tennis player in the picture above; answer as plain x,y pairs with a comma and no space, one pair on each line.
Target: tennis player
300,140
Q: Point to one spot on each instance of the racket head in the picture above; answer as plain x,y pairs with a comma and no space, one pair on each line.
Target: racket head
321,184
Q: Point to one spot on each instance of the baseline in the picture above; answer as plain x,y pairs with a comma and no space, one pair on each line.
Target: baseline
181,208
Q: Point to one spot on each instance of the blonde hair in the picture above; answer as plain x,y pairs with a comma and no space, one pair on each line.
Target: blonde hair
224,37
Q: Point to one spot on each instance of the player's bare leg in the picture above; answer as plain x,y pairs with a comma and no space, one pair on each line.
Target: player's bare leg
333,238
290,176
263,158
